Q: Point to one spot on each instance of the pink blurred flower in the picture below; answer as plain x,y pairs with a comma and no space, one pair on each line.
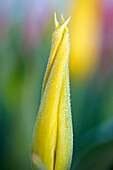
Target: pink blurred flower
6,9
107,49
36,21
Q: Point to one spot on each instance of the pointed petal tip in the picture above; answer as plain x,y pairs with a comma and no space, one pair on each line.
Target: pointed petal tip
62,19
55,21
67,21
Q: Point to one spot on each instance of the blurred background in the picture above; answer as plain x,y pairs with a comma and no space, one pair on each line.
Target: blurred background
26,27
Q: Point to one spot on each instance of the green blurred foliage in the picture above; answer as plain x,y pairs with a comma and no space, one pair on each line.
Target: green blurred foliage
21,76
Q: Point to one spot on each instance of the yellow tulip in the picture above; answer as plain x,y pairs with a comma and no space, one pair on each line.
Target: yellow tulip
85,35
52,141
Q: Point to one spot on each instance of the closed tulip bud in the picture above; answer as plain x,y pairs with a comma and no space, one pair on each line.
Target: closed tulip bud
52,141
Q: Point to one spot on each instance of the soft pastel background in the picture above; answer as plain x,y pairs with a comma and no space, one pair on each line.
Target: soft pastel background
26,27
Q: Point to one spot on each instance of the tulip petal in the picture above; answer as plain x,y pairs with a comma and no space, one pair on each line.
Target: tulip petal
65,134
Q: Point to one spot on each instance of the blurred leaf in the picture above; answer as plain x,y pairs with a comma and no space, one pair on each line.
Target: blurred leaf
95,148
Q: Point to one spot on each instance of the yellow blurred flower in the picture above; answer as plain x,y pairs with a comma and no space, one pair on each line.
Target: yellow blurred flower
52,141
85,37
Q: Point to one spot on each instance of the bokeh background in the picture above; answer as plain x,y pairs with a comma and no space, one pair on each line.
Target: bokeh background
26,27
